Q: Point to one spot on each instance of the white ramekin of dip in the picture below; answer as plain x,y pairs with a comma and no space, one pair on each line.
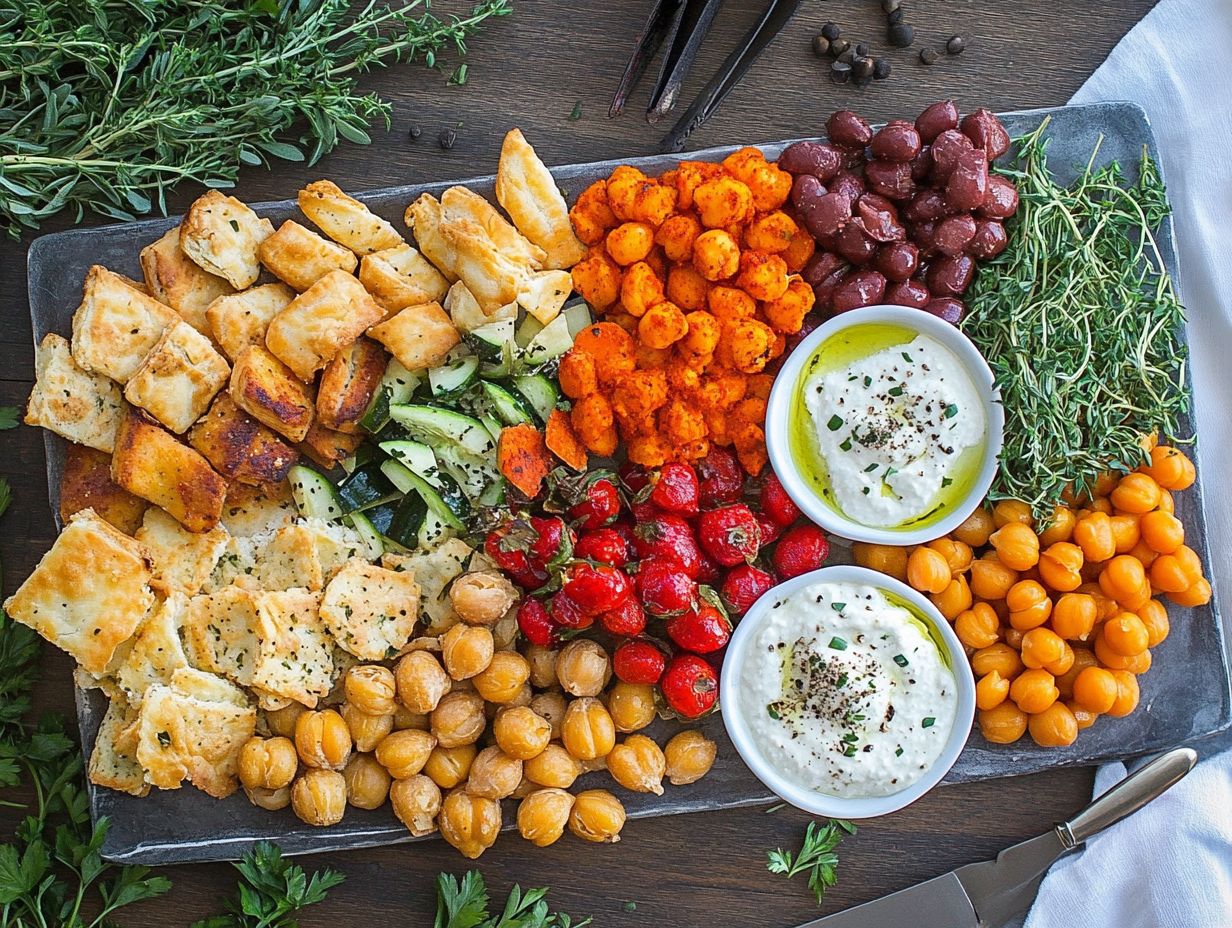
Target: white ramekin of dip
846,693
884,425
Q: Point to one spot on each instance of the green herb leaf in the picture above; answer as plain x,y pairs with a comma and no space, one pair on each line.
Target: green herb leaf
838,644
817,857
901,660
835,423
9,417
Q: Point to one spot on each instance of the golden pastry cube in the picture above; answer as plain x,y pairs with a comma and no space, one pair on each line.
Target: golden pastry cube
348,383
295,655
298,256
330,314
113,762
467,315
89,592
183,560
328,446
221,235
155,652
544,293
290,559
116,325
419,336
178,378
424,218
399,277
239,447
173,278
345,219
240,319
529,194
219,631
369,610
86,484
82,407
265,388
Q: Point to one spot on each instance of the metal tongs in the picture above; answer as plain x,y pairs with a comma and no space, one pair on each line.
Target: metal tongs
682,25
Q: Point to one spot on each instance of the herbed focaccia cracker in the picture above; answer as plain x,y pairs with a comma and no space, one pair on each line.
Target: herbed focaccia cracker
116,325
85,408
175,279
369,610
178,378
240,319
330,314
221,234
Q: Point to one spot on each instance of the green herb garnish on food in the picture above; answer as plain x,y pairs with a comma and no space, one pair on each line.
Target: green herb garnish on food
1080,323
818,855
838,644
835,423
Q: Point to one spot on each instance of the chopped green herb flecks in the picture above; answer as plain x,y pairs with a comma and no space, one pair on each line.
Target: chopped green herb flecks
838,644
835,423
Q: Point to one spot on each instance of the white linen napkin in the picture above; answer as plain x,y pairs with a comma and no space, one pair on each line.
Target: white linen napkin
1170,865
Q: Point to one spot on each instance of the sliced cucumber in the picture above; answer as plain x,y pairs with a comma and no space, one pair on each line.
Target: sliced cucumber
397,385
449,504
494,370
473,473
508,406
527,331
363,454
539,392
415,455
489,341
433,530
454,378
494,493
366,487
314,495
443,428
552,342
577,316
367,532
407,520
493,425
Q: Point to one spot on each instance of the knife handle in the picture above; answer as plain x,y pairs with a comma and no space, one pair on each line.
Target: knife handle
1128,796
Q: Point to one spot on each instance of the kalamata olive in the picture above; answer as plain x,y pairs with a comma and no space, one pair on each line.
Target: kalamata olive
926,206
895,141
820,159
827,214
823,292
850,184
897,260
908,293
947,308
937,119
985,131
854,245
805,189
821,266
989,239
847,129
953,233
862,288
1001,201
968,182
922,164
951,276
922,234
890,179
945,149
879,219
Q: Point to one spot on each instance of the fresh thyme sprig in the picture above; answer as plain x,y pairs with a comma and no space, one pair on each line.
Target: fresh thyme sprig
1080,323
106,106
818,855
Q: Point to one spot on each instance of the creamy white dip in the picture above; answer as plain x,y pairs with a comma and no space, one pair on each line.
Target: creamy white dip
845,693
891,427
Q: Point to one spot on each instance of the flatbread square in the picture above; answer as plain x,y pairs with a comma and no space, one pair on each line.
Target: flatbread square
173,278
116,325
221,235
220,633
251,510
298,256
370,611
289,560
86,484
89,592
418,336
265,388
240,320
336,544
399,277
156,652
183,560
237,566
239,447
467,315
434,570
178,378
333,312
345,219
113,762
528,192
82,407
296,658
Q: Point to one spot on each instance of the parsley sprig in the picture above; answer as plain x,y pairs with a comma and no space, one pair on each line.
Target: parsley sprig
818,855
271,891
464,904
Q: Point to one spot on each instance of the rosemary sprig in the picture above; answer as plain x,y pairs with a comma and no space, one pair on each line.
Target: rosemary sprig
818,855
1080,324
106,105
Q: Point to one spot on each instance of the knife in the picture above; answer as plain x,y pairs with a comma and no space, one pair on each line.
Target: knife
989,894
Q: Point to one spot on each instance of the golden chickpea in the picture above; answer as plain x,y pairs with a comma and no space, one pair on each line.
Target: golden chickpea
588,731
281,722
689,756
404,718
583,667
458,719
524,789
319,797
269,799
482,597
928,571
520,732
991,690
505,632
543,814
267,763
638,764
447,767
554,766
404,753
367,782
470,823
366,730
551,706
416,801
542,665
323,739
1012,510
467,650
421,681
955,599
494,774
976,529
370,688
502,680
631,705
886,559
1005,723
597,816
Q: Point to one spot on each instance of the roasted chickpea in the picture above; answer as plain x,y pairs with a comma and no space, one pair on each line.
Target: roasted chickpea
1003,724
551,706
542,663
1170,468
1062,664
1093,534
991,690
588,731
689,756
494,774
282,721
267,763
716,256
319,796
1054,727
553,766
638,764
323,739
448,767
1124,580
421,681
1034,690
928,571
1073,616
502,680
1012,510
1126,634
366,730
1083,718
597,816
1083,658
404,753
974,531
954,599
956,553
1029,605
524,789
404,718
1134,663
1126,532
1197,594
482,597
370,688
1060,566
1041,646
1095,689
367,782
631,705
520,732
583,667
1061,528
543,815
269,799
887,559
1155,619
1016,544
978,627
470,823
677,235
416,801
1127,694
990,579
467,650
458,719
1136,493
1162,531
999,657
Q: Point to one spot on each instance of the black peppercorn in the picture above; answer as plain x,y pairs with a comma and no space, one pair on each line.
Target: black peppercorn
848,56
900,35
838,46
928,55
862,69
447,138
840,71
955,45
881,68
890,6
894,18
831,31
861,50
414,132
821,46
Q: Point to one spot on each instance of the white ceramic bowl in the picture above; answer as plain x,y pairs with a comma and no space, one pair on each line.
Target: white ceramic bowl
788,382
732,693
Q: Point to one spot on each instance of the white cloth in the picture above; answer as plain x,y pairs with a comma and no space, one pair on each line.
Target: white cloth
1170,864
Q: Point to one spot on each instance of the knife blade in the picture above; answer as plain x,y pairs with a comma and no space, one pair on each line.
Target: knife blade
990,893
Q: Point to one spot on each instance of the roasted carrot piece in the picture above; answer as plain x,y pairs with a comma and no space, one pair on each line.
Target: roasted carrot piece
523,458
562,441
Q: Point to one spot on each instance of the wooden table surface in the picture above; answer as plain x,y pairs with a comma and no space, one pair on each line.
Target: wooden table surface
531,70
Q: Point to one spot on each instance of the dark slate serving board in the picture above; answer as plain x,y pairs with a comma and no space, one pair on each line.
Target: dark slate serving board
1184,696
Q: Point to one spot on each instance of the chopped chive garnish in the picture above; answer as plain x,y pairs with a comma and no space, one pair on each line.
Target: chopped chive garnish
898,753
896,390
838,607
868,381
890,471
846,445
865,491
951,411
901,660
773,713
851,378
841,681
907,357
946,481
835,423
850,737
872,467
838,644
928,722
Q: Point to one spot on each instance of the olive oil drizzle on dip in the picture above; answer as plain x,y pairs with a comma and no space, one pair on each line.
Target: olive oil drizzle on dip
849,693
